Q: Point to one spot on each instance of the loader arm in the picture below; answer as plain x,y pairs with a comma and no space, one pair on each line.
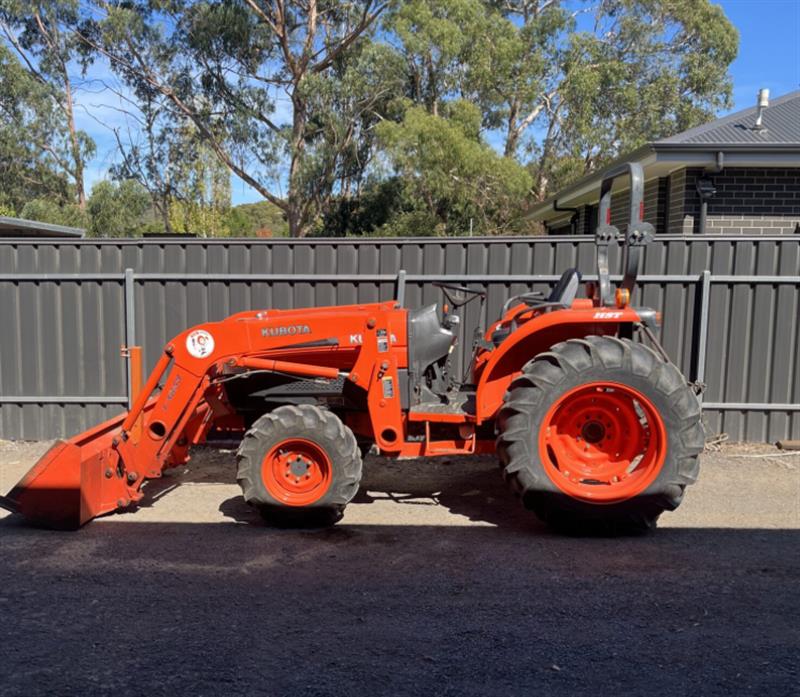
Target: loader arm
103,469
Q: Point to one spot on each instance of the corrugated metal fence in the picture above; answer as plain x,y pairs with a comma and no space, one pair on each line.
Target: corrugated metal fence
730,305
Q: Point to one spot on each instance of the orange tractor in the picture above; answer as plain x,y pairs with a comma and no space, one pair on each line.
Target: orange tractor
594,426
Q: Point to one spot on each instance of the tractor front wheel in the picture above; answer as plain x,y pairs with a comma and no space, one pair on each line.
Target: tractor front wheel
600,435
299,466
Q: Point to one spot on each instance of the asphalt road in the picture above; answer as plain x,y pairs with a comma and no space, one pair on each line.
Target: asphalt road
435,582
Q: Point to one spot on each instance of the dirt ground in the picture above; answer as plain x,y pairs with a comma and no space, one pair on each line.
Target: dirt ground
435,582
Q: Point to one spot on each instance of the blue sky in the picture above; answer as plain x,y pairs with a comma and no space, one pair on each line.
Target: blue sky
769,48
769,56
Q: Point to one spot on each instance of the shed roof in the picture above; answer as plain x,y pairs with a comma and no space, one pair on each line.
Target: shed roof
18,227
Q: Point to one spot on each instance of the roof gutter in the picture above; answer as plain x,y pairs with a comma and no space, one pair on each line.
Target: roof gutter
567,209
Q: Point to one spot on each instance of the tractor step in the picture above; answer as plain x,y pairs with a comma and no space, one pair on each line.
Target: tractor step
459,410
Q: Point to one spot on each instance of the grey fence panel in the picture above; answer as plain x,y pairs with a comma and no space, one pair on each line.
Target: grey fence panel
61,372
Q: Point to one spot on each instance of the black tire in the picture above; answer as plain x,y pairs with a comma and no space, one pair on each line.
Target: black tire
566,366
312,424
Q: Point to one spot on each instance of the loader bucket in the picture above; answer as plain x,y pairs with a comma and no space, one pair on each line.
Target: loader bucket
73,482
60,490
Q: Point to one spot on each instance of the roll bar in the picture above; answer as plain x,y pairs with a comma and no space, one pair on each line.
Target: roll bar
637,235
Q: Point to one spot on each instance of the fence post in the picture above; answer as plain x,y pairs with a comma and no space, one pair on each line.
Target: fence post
704,281
130,328
400,287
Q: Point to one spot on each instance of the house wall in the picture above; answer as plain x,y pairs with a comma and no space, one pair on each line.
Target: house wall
749,201
676,223
656,196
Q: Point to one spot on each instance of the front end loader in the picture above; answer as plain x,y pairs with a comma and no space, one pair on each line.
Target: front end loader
594,427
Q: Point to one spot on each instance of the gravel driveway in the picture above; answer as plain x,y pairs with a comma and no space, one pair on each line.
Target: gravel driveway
435,582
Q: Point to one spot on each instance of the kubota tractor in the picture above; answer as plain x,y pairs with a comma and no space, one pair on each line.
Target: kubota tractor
594,426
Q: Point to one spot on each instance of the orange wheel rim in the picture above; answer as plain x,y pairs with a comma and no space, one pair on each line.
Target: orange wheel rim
603,442
296,472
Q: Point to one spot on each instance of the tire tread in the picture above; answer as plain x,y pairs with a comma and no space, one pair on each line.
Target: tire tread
527,397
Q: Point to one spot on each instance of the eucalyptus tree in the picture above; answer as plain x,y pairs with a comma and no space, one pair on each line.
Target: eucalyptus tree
43,35
568,84
250,76
29,163
451,181
578,83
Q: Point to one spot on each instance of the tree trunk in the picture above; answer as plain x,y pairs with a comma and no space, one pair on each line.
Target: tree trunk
163,208
75,146
295,212
512,135
69,112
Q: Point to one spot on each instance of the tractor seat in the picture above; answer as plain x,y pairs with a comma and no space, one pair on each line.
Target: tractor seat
563,294
566,289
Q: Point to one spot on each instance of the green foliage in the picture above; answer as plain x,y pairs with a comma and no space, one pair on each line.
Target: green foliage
437,38
237,223
44,35
380,201
257,219
348,117
117,210
222,68
29,139
649,70
45,210
200,220
450,176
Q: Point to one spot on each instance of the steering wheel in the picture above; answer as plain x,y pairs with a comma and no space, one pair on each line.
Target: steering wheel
459,302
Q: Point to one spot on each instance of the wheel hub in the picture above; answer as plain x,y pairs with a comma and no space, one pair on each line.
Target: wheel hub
593,431
298,466
602,442
296,472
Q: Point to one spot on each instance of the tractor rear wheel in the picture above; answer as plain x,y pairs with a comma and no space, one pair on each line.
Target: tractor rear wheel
600,436
299,466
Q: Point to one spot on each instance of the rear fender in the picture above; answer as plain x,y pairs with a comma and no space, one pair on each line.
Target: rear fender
536,336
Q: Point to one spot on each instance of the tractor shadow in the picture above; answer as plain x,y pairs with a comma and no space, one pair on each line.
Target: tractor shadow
469,487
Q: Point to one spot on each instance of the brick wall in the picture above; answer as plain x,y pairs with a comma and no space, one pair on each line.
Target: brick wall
749,201
676,223
655,200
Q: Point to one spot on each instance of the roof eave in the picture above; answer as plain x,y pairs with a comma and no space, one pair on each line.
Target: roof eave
589,181
540,211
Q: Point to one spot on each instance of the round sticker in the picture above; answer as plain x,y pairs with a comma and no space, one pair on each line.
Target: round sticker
200,343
